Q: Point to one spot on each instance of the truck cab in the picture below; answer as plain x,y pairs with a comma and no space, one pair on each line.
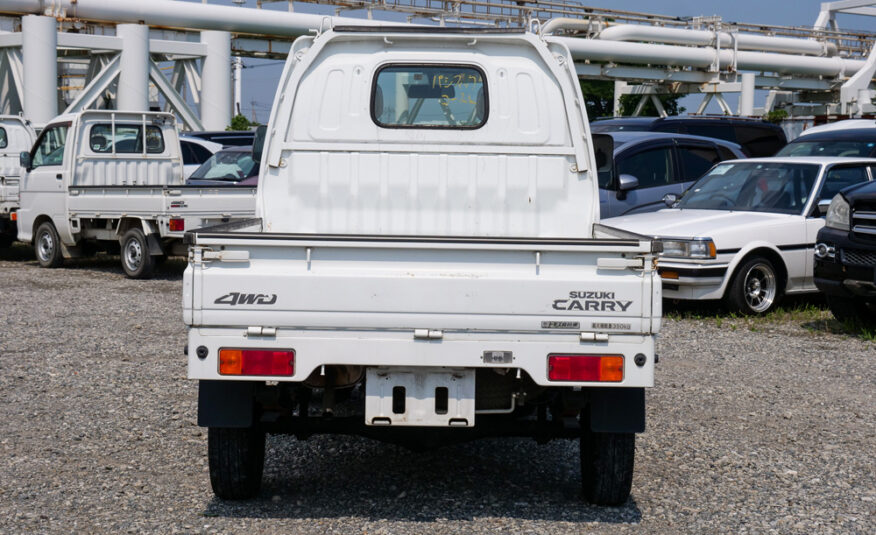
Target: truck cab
426,264
16,135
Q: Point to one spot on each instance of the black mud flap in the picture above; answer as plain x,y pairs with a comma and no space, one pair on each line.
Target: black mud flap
154,242
617,410
225,403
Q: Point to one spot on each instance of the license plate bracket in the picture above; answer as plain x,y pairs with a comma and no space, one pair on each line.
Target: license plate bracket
421,397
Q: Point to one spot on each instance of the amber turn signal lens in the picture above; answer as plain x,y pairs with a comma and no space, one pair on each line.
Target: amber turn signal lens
256,362
13,216
586,368
177,225
669,275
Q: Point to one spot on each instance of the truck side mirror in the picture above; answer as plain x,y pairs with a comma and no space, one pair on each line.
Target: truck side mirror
24,160
258,143
670,199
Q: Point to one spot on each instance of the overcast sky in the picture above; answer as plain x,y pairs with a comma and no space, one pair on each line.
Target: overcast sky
261,76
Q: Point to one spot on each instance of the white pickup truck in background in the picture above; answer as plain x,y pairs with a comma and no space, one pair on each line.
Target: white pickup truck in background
101,178
427,264
16,135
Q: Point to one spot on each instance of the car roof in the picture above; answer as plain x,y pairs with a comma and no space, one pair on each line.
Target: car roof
635,136
852,134
818,160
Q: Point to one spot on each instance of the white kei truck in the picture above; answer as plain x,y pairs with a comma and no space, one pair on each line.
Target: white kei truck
426,265
16,135
114,179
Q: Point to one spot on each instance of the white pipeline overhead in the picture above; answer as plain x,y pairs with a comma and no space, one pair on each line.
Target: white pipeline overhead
183,15
723,39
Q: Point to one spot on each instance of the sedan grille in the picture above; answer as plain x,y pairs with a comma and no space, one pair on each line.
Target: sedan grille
859,257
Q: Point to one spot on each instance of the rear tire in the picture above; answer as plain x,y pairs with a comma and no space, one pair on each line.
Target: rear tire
607,461
47,246
754,289
237,460
849,309
136,260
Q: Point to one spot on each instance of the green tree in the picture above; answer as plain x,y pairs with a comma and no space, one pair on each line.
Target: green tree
599,100
240,122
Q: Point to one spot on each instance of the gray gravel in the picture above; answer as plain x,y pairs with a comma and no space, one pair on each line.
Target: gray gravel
748,432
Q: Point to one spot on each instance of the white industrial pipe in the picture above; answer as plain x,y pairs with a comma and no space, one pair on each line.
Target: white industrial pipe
186,15
216,80
39,54
746,96
133,93
703,58
744,41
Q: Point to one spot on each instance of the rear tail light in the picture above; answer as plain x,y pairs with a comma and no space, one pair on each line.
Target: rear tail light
13,216
591,368
256,362
177,225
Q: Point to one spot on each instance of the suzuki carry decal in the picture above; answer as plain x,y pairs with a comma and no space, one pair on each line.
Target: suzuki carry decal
237,298
592,301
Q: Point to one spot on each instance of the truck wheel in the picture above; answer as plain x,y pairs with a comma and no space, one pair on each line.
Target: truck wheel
754,289
607,466
849,309
237,458
47,246
136,260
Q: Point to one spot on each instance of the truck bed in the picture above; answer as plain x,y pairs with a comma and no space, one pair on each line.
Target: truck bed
388,300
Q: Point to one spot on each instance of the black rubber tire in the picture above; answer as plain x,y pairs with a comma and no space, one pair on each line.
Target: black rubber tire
849,309
735,298
136,260
607,461
47,246
237,460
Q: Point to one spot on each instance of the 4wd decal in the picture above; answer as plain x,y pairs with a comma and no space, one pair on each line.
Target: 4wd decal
237,298
592,301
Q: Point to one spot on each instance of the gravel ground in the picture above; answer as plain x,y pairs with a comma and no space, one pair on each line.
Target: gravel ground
764,427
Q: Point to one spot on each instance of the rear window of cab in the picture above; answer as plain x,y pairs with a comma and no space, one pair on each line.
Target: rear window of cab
429,96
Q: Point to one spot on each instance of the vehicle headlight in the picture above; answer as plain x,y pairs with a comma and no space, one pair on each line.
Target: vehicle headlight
689,248
837,214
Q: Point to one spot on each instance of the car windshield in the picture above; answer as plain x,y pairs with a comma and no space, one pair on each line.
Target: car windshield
753,187
842,147
231,165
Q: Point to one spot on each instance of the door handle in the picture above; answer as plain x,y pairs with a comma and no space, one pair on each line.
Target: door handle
59,176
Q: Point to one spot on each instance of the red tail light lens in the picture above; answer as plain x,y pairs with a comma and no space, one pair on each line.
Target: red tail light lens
177,225
592,368
256,362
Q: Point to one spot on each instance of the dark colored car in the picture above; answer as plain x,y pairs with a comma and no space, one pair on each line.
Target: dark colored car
757,138
646,166
845,254
860,142
228,138
230,166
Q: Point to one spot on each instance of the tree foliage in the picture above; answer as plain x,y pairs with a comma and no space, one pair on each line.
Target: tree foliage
240,122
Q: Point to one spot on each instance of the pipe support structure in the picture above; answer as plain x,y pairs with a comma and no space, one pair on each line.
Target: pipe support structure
39,54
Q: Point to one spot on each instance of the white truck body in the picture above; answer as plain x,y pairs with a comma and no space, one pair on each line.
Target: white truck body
93,178
423,255
16,135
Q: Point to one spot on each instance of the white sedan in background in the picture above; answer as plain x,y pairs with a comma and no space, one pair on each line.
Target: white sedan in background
745,232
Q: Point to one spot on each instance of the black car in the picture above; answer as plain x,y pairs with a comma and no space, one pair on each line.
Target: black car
228,138
856,142
758,138
845,254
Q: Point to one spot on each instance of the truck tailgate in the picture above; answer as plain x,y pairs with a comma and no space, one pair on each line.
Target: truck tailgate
409,283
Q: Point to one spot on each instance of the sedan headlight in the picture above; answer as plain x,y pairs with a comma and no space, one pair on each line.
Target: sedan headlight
689,248
838,214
